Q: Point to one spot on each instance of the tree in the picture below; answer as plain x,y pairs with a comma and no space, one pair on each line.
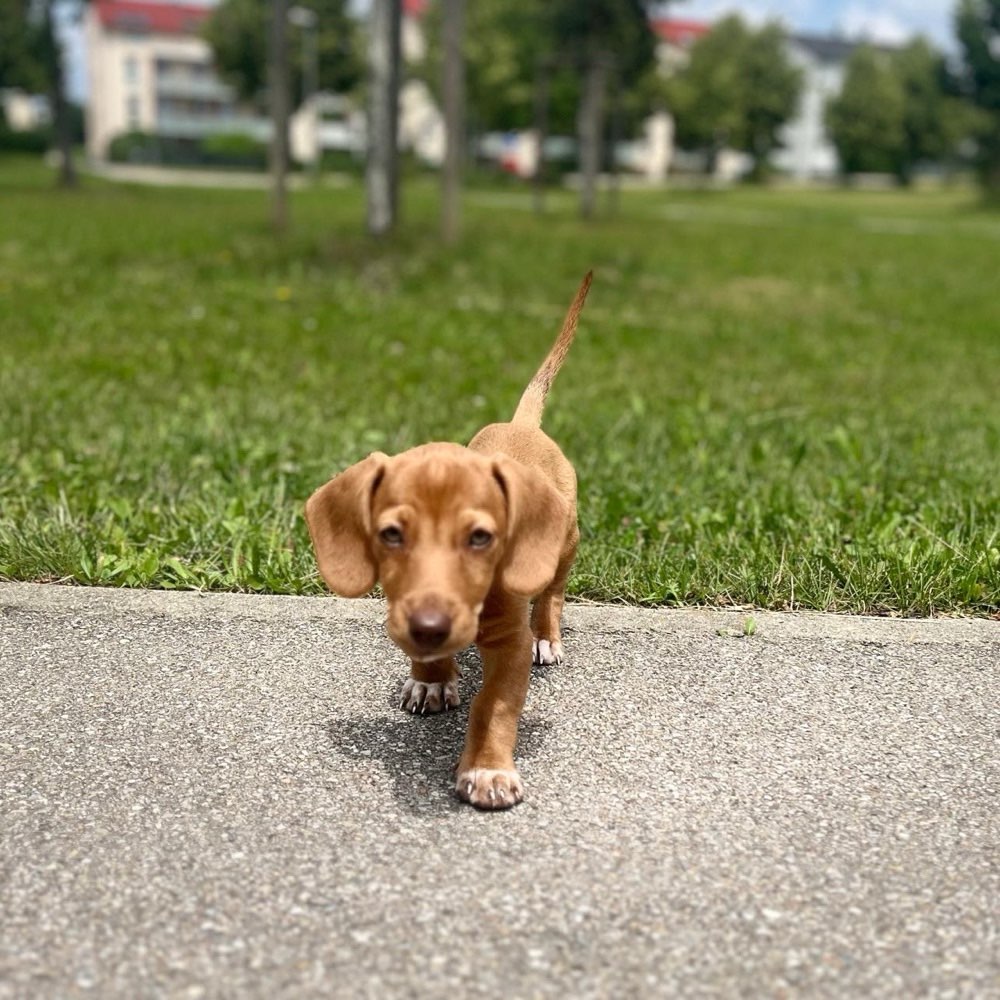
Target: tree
606,38
18,65
279,100
978,27
249,40
237,31
771,86
453,87
562,55
866,119
506,41
737,90
894,111
933,122
31,56
382,169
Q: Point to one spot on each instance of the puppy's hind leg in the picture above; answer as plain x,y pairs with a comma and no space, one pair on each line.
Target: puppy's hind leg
431,687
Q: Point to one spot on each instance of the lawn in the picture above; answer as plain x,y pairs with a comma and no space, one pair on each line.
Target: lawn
777,399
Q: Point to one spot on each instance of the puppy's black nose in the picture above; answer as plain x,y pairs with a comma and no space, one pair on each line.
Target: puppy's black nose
429,627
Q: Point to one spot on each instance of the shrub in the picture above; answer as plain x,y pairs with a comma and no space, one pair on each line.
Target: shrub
226,150
31,141
234,149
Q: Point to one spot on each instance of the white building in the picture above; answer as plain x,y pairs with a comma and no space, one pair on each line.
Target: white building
150,71
806,152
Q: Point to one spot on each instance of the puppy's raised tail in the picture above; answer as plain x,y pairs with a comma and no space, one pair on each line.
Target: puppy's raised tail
529,409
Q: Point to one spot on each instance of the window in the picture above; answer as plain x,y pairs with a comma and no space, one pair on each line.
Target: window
130,69
132,111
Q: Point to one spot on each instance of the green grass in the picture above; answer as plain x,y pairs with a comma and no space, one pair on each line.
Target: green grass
776,399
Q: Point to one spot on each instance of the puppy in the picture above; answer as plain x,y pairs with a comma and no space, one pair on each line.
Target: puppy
461,540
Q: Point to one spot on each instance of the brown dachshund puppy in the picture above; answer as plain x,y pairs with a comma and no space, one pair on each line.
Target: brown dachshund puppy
461,539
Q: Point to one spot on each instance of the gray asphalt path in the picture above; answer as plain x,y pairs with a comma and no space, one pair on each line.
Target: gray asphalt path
215,796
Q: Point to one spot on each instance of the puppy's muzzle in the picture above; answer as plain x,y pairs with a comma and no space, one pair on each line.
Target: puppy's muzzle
429,628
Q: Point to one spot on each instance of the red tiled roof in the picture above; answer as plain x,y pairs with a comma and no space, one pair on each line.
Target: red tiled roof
140,17
414,8
679,32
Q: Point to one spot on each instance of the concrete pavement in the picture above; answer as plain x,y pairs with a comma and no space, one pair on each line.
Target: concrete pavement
215,796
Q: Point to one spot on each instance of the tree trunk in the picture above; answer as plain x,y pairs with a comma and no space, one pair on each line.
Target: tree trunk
542,73
453,89
615,116
714,154
760,151
310,55
62,127
382,171
278,92
591,129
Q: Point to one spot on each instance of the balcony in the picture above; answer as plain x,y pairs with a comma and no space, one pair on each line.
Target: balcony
186,85
197,126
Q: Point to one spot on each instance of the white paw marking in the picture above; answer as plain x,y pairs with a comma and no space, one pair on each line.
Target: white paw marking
486,788
545,652
417,696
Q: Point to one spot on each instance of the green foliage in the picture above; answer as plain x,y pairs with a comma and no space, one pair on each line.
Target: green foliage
342,161
771,86
931,122
234,148
978,27
31,57
19,64
30,51
866,119
135,147
31,141
777,399
586,29
508,42
229,150
895,111
738,89
505,40
237,33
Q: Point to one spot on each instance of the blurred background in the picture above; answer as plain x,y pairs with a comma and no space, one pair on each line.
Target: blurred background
803,89
244,243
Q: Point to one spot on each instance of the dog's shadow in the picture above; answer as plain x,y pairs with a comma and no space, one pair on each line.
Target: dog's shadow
419,753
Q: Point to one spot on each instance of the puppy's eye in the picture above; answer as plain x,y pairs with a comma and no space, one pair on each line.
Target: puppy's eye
480,538
391,536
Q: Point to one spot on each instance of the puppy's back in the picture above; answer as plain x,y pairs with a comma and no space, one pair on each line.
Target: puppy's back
532,447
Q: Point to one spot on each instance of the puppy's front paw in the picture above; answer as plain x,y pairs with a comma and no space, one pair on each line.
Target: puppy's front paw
489,789
545,652
423,698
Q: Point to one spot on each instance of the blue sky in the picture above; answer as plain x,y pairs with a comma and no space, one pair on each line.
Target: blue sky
883,21
888,21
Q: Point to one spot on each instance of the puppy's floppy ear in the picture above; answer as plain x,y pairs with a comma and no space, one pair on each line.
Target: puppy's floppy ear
536,527
339,519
